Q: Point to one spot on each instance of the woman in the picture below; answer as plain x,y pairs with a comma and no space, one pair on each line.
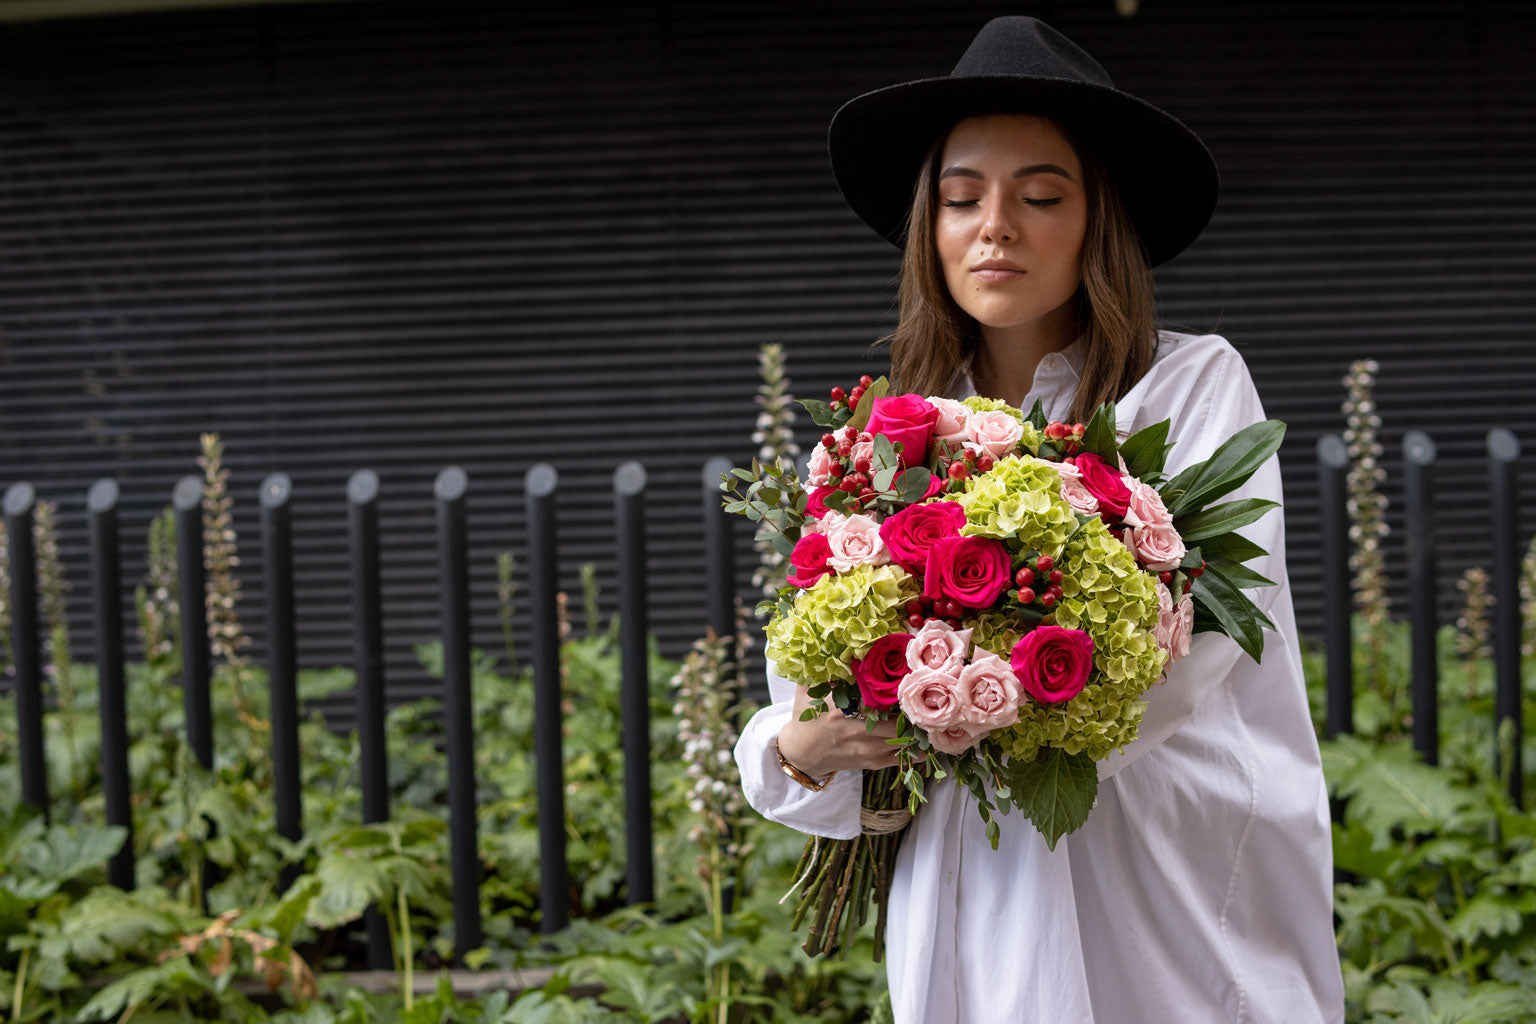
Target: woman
1200,888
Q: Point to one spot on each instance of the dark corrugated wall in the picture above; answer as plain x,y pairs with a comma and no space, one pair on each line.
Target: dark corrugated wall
367,235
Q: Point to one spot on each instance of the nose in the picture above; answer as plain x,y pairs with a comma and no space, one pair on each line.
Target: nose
997,222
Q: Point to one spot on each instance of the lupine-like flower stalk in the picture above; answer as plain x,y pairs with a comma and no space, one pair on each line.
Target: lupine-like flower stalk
1367,509
1528,601
1472,628
775,438
589,597
506,588
705,691
52,586
226,637
159,613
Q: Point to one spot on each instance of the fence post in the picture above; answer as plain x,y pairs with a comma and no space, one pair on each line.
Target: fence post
635,686
191,575
1423,619
19,505
720,601
540,483
458,706
107,606
1332,466
368,664
282,659
1504,492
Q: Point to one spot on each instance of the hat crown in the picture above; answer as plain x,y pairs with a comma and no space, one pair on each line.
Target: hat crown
1025,46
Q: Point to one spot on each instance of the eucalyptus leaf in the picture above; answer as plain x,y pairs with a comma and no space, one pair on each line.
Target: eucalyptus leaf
913,484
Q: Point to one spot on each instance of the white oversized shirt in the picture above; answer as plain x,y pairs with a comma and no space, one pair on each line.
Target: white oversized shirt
1200,889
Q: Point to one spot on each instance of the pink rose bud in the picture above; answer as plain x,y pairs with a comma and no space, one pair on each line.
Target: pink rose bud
954,419
996,433
1159,547
855,540
956,739
810,560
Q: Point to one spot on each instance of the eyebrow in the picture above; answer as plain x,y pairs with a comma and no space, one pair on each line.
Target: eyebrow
1022,172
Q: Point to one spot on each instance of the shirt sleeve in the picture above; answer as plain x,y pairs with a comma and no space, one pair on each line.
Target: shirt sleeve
1205,391
832,812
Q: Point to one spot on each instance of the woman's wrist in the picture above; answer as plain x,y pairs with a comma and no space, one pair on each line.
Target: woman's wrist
796,762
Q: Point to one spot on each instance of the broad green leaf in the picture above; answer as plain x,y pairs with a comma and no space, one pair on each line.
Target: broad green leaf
879,389
1146,451
1492,914
1099,433
821,413
1220,519
1232,547
1228,468
65,851
1236,574
1056,791
1036,417
1389,787
913,484
1231,609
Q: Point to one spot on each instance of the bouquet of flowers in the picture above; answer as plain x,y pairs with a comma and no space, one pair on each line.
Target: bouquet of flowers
1006,588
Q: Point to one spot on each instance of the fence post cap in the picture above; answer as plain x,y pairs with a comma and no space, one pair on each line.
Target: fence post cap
1331,451
1419,448
19,497
541,480
629,478
716,467
276,489
102,495
188,493
1503,444
450,484
363,487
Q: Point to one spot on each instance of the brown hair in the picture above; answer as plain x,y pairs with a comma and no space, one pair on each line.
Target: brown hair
1116,304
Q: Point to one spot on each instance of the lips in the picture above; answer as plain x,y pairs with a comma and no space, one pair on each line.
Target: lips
997,271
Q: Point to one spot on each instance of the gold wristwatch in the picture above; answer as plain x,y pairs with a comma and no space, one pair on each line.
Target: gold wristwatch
798,775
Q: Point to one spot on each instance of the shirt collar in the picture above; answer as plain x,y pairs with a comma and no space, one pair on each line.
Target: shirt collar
1057,374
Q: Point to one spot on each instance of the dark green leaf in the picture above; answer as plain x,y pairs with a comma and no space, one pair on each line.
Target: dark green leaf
1056,791
913,484
1228,468
879,389
1238,575
821,413
1036,417
1223,518
1146,450
1099,433
1233,547
1238,617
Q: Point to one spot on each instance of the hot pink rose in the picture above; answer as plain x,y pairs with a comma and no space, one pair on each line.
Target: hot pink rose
991,692
935,486
997,432
931,699
956,739
1053,663
1072,490
906,419
939,646
820,469
912,531
816,502
1159,548
954,419
810,560
881,670
1104,483
855,541
973,571
1145,507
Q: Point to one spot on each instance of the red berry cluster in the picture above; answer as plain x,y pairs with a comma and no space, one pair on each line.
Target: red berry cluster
965,465
839,396
1068,435
1042,582
921,609
1189,577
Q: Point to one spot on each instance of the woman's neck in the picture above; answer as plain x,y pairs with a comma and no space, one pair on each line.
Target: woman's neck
1006,360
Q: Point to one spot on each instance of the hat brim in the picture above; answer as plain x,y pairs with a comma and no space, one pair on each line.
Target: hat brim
1166,177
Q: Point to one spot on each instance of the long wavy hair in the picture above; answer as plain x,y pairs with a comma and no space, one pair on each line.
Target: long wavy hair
1116,310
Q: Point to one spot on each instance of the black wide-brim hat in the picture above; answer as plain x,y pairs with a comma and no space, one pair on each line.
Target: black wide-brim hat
1166,177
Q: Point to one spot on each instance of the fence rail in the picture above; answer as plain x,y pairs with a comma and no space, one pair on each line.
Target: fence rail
541,487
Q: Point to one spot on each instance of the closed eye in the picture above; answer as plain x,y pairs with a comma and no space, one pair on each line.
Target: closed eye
1027,202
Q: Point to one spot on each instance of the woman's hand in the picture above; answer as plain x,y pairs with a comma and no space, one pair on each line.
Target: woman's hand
832,741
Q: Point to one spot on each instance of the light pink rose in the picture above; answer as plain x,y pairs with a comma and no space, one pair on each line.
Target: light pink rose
1159,548
1146,505
931,699
954,420
991,692
957,739
1166,616
820,470
939,646
1183,629
997,432
855,541
863,448
1073,491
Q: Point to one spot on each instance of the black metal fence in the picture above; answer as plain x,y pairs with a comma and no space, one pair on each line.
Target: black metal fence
541,486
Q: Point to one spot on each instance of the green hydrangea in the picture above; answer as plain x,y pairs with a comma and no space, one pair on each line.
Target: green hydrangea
1018,500
1031,438
1105,594
996,631
837,620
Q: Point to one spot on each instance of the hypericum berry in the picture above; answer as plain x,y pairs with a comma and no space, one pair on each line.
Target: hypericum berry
866,380
835,470
838,394
916,620
1055,430
849,484
1197,573
953,609
1044,563
1078,429
1048,599
914,607
1024,577
954,622
985,463
855,507
1055,576
845,448
861,463
828,441
970,455
958,471
1166,577
1054,591
1026,595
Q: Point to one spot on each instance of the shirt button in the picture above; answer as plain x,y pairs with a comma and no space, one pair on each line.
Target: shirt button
949,878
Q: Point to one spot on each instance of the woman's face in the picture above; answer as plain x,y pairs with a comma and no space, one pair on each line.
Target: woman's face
1010,191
